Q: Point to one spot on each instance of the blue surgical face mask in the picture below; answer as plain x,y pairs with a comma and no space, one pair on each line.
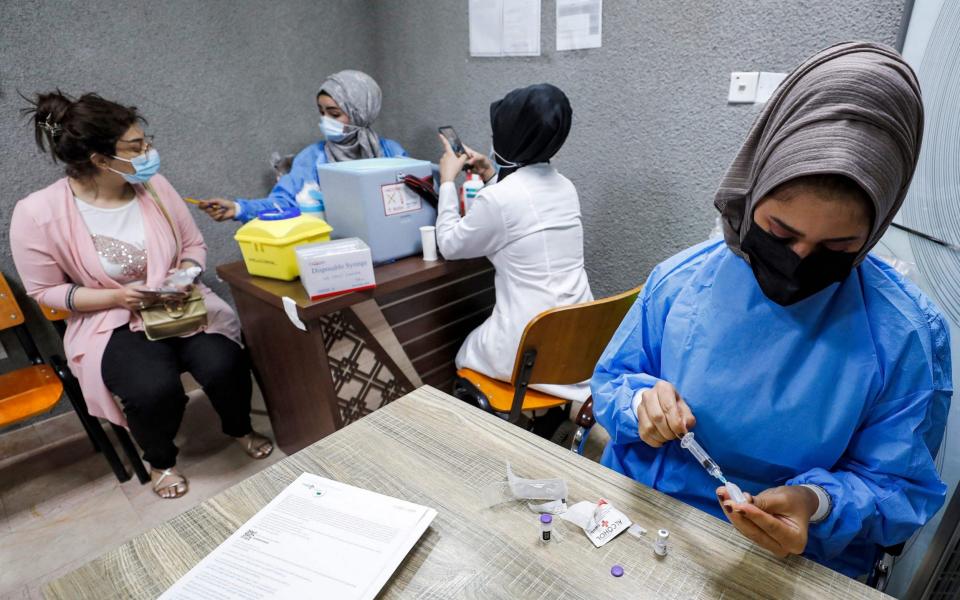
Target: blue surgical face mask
145,166
332,129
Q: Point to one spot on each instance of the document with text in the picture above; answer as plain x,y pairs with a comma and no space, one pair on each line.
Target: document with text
317,539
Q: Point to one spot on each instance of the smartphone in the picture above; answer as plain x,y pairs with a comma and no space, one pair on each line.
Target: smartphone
452,137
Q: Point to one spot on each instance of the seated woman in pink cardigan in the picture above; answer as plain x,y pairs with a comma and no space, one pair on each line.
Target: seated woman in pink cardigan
90,243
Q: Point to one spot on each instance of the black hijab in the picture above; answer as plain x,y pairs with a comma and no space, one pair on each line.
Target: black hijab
529,125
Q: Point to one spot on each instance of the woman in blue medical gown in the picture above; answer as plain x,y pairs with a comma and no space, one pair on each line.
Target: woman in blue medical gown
349,102
815,375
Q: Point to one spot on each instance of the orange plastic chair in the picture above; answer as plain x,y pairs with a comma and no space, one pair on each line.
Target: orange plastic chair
31,390
559,346
53,314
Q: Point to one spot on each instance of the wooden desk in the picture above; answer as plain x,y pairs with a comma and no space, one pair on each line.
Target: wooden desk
315,382
434,450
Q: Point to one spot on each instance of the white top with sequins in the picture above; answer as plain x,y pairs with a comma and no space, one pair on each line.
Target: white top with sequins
119,238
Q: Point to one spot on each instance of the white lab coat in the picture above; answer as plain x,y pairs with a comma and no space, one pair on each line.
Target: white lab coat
529,227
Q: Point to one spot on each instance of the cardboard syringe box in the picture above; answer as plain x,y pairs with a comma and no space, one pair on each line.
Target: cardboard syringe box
336,267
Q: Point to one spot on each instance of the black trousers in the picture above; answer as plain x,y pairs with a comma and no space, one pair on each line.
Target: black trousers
145,375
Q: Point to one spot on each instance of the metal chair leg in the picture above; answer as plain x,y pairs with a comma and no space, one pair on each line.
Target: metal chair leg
98,437
580,440
585,420
108,450
520,387
64,376
131,451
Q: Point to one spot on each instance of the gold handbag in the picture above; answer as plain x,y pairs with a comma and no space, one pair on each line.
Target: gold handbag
173,318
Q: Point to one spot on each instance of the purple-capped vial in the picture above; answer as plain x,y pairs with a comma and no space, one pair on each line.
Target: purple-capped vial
616,571
546,526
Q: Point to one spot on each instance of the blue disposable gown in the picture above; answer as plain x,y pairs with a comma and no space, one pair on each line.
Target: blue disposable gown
303,171
848,389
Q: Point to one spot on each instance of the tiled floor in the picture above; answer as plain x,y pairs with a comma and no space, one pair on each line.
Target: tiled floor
62,506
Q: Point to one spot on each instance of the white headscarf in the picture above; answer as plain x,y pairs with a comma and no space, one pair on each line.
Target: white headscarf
359,96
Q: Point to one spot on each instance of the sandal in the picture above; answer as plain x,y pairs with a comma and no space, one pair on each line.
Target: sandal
176,487
255,445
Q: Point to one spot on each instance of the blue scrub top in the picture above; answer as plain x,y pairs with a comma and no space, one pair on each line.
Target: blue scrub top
848,389
303,171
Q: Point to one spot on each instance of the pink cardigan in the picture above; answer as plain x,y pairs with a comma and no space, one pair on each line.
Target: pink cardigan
52,249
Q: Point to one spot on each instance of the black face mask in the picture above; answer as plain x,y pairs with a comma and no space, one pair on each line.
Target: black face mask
786,278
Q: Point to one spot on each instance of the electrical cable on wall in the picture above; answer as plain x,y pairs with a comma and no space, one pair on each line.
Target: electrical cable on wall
927,236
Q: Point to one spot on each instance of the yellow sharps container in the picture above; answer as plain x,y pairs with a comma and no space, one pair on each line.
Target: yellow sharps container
268,242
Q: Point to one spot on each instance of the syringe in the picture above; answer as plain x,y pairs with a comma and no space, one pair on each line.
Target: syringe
711,466
702,457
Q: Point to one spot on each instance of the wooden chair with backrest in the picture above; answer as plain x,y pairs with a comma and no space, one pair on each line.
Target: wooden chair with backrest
559,346
92,425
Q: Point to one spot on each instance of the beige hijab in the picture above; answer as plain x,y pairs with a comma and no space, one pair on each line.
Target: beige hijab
853,109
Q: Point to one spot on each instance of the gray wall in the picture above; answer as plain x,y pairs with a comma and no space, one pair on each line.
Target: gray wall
222,83
652,133
225,83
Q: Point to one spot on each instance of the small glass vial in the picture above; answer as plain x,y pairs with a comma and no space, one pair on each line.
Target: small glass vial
660,545
546,527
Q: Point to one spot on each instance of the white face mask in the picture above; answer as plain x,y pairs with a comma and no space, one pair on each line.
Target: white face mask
500,161
332,129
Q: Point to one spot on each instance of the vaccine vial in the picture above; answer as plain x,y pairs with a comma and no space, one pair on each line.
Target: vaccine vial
660,545
546,527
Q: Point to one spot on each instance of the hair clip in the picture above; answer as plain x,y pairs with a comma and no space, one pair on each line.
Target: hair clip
50,127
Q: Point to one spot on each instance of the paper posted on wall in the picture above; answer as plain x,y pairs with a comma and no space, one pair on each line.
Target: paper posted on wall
504,28
579,24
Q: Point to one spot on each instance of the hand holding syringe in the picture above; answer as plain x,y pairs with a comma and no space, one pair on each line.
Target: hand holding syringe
711,466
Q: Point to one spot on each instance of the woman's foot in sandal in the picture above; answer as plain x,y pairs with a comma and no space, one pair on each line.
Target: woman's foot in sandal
168,483
256,445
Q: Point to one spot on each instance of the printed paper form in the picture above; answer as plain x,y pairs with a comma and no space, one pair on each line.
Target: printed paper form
504,27
317,538
579,24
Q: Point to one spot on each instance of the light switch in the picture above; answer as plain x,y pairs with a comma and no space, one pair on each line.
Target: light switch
767,84
743,87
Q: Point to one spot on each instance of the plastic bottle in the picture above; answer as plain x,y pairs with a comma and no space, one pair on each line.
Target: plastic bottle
310,201
468,191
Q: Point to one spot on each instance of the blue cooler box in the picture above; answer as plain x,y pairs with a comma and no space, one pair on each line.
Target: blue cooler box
367,199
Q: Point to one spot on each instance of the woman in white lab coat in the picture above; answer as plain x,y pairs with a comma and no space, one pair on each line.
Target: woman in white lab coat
526,221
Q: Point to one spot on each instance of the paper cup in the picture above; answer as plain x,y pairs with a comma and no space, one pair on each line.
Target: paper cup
428,238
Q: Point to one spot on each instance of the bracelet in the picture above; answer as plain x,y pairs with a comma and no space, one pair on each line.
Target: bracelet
70,293
824,503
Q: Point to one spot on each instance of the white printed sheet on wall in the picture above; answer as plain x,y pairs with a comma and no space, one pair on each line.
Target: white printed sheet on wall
504,28
579,24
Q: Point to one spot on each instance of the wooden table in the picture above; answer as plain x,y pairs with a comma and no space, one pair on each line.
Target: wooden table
319,380
431,449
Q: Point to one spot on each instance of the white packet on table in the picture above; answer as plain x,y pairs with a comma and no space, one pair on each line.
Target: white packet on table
551,492
600,521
